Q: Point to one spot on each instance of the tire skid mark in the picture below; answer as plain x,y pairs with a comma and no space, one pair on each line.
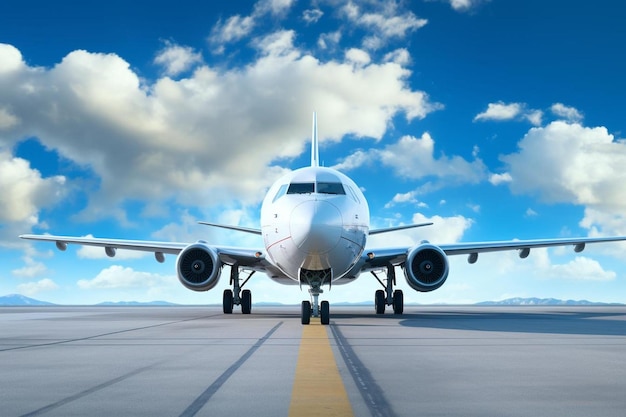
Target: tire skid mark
80,339
203,398
89,391
370,391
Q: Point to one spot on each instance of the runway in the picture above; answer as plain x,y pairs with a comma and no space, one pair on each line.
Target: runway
431,361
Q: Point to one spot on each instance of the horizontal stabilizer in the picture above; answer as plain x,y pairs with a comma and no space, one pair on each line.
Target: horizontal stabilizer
238,228
393,229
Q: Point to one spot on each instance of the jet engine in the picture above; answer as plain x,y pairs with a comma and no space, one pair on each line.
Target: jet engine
198,267
426,267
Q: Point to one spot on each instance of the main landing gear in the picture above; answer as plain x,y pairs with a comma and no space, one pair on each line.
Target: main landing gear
314,309
237,296
388,296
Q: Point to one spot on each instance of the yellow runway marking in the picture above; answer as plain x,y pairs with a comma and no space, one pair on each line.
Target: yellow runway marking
317,388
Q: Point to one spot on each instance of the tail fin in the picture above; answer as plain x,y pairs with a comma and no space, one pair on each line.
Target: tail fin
315,155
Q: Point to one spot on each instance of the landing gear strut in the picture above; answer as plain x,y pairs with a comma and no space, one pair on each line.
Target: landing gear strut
237,296
388,296
314,309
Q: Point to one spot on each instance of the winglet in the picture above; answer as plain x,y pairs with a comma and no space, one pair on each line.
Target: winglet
315,155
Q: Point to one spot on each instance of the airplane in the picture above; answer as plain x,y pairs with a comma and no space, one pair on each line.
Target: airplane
315,223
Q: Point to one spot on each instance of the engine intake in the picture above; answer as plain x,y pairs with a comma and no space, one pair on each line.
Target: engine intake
426,268
198,267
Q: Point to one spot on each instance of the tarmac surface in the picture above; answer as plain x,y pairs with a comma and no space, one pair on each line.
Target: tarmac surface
431,361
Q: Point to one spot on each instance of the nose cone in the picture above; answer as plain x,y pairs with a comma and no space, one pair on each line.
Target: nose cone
315,226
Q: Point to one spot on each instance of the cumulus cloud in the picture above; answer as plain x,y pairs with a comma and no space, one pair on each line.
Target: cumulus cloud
443,230
32,269
568,113
176,59
32,288
570,163
190,140
501,111
414,158
23,191
497,179
117,277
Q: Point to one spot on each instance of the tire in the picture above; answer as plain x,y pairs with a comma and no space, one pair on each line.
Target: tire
398,302
227,301
306,312
379,302
246,302
325,312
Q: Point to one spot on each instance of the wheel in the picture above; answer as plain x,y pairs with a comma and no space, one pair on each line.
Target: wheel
246,302
325,312
379,302
227,301
398,302
306,312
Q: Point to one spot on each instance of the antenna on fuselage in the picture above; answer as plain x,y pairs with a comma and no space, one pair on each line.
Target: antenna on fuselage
315,154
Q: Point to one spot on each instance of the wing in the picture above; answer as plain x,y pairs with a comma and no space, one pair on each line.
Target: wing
252,259
378,258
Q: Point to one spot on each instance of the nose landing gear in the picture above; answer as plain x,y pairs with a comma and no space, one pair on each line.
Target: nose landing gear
314,309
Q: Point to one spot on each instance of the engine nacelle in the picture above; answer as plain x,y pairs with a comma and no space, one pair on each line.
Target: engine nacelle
426,268
198,267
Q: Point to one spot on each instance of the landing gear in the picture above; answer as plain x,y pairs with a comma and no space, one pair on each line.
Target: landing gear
388,296
313,308
306,312
236,296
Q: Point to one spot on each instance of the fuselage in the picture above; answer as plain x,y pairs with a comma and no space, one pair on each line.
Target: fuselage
314,222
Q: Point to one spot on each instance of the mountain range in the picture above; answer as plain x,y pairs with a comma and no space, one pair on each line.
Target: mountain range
21,300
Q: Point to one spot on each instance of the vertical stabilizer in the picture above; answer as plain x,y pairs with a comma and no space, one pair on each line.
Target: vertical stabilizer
315,154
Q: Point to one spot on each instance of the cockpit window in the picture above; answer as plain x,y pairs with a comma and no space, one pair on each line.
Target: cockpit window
280,193
330,188
301,188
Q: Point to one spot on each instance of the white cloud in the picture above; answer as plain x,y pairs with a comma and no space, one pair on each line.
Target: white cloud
414,158
581,268
570,114
93,252
176,59
157,141
385,21
31,269
312,15
501,111
233,29
399,56
497,179
7,120
465,5
572,164
23,191
329,40
32,288
116,277
358,56
238,27
443,230
11,59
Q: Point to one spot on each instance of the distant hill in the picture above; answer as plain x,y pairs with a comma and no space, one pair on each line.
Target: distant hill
533,301
21,300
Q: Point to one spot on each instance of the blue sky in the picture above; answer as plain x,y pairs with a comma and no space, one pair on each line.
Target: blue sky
494,119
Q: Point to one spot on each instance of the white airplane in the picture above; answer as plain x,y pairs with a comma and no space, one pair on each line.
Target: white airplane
315,224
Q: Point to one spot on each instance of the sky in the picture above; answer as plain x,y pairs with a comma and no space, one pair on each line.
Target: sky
494,119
